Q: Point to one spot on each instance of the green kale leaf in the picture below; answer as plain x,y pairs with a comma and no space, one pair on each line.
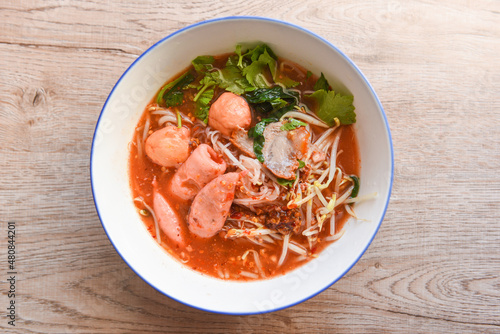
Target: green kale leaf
265,100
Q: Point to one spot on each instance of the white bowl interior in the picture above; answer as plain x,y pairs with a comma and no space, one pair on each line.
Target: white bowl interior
110,180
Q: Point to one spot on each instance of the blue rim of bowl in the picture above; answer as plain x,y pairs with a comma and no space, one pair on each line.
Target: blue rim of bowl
351,63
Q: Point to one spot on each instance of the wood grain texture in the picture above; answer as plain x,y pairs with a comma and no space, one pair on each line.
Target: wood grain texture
433,267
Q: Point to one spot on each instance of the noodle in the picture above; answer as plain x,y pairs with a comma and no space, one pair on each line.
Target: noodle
285,248
157,228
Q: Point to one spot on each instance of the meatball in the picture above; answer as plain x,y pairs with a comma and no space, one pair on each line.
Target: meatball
169,146
228,113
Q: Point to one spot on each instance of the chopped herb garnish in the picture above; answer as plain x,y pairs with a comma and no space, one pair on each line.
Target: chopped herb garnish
285,182
302,164
292,124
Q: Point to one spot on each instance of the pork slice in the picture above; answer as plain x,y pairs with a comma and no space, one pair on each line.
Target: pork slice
280,153
240,139
300,139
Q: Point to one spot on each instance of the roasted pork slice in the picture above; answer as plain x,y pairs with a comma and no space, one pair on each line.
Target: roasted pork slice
282,149
240,139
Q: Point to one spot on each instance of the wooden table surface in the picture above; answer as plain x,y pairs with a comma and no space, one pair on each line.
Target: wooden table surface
434,266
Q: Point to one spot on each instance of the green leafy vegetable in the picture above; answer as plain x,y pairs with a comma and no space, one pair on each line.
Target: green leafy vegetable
205,83
173,98
269,95
265,100
257,60
240,56
331,106
254,74
355,190
292,124
285,182
286,81
203,63
231,79
322,83
258,145
257,133
255,53
302,164
258,129
203,105
270,61
171,95
308,74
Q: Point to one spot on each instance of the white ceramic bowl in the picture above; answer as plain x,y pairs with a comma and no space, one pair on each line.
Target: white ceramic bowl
115,128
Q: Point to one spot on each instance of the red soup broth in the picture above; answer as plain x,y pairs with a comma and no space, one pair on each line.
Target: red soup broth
219,256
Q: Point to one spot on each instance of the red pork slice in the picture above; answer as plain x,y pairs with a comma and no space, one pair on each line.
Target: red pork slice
282,149
168,146
168,220
211,206
202,166
241,140
229,112
317,155
300,139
